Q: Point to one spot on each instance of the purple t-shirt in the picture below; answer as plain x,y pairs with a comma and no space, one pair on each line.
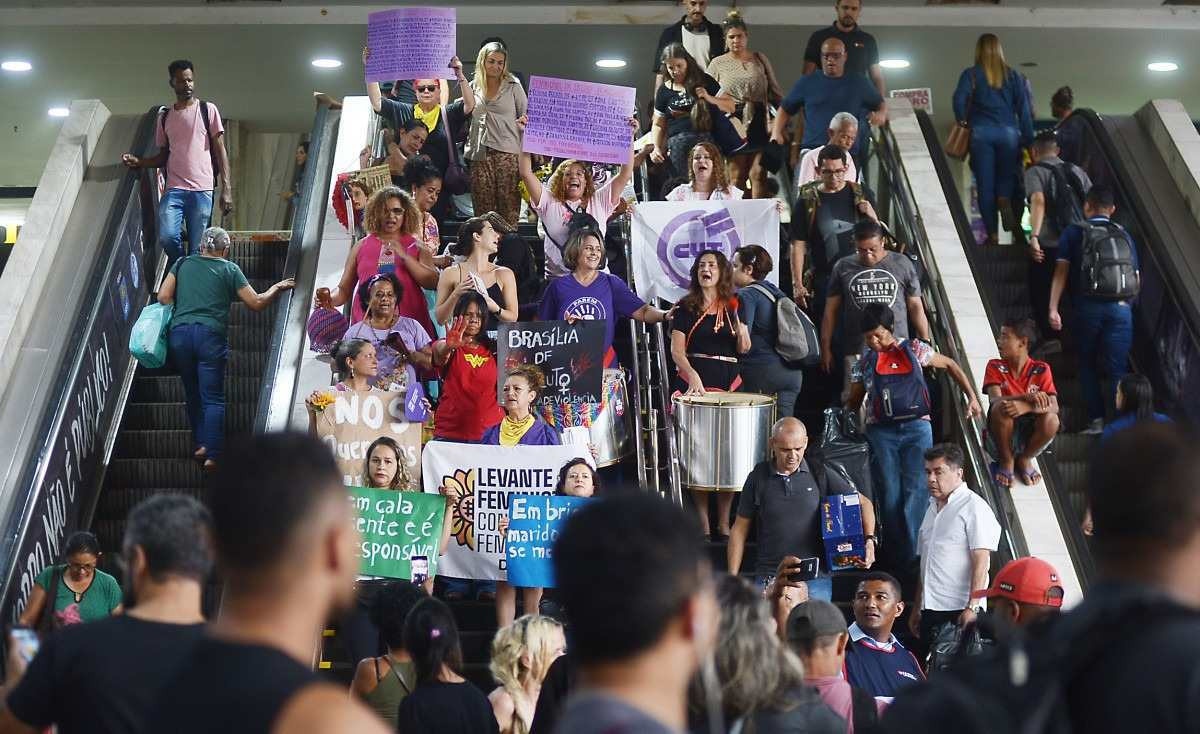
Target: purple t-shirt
607,298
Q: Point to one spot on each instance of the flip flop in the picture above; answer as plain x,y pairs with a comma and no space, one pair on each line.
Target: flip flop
1002,477
1029,476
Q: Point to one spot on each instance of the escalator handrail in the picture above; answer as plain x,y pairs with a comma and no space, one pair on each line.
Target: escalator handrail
274,400
28,489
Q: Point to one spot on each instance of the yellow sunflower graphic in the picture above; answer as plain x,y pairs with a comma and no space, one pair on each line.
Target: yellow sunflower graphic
460,488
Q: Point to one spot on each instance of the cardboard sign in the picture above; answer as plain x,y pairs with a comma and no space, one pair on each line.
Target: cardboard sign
581,120
842,531
570,355
375,177
534,523
352,421
411,43
921,97
395,526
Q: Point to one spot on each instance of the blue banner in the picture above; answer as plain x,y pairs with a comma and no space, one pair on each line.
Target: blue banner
534,522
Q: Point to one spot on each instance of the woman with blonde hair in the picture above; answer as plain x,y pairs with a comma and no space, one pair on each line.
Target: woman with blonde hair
991,99
521,654
707,178
494,141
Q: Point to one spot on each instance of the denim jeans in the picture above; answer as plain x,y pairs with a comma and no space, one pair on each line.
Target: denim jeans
179,206
1104,332
819,588
995,161
198,352
774,378
897,457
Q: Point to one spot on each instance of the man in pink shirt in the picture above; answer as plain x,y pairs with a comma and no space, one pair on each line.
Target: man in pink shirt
191,147
816,632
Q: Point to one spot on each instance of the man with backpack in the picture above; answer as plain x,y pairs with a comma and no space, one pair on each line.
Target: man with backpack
1056,190
816,632
189,135
1097,261
785,493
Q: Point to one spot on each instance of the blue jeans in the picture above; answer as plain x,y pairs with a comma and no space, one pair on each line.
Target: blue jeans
898,461
176,207
198,352
819,588
995,161
1104,331
469,588
774,378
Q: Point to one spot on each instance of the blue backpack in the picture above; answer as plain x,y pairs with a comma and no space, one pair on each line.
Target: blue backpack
897,394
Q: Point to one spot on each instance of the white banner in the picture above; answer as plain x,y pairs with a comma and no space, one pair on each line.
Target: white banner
480,480
668,236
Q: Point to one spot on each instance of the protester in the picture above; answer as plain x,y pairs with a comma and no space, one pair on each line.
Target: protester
383,682
990,98
683,107
193,129
761,681
443,701
401,343
1022,405
747,78
1102,299
637,650
898,423
816,632
577,478
467,360
875,660
386,467
74,591
783,497
763,369
700,38
956,541
288,554
494,141
522,653
862,52
403,144
358,192
1025,592
589,293
708,178
843,132
424,183
199,346
706,337
103,677
478,242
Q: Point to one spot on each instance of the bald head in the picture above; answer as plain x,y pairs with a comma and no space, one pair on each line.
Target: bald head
789,439
833,57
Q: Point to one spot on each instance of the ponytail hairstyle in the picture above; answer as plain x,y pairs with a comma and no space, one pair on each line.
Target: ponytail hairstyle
344,351
431,638
692,78
733,19
466,234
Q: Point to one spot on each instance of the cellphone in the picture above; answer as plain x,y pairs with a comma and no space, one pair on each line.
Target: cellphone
806,570
420,569
477,281
27,643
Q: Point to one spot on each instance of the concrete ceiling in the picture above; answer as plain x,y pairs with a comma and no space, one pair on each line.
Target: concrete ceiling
259,71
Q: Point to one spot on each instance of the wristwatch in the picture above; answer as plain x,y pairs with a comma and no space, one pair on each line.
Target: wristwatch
873,539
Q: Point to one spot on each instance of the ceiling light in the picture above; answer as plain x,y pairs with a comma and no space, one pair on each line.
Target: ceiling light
16,65
895,63
58,112
326,63
1163,66
610,63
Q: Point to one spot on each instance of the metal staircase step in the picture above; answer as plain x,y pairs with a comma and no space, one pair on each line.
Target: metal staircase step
160,472
173,416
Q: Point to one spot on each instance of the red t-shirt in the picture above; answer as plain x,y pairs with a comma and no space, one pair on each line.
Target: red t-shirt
1036,377
468,406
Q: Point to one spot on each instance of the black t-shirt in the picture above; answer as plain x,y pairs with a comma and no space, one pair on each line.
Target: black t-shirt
829,235
669,102
398,113
446,708
861,50
228,688
707,338
102,677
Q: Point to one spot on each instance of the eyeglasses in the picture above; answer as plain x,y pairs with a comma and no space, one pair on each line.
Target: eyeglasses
81,567
430,88
397,211
829,172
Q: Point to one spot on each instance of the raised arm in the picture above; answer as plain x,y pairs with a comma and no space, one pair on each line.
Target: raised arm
626,173
525,168
464,86
373,92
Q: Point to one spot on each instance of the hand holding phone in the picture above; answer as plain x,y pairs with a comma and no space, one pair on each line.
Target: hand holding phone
420,569
24,643
807,570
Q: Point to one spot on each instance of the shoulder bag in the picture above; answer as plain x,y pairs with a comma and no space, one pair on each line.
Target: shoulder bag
455,180
958,142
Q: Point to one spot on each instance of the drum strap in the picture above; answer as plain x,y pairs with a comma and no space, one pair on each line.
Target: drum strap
713,356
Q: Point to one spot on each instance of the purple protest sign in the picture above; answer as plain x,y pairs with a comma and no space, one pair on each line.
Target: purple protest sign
583,120
411,43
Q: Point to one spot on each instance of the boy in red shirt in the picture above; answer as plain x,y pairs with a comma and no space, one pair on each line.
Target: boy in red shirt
1023,410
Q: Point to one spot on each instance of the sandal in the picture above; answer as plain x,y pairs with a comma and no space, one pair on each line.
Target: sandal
1028,475
1001,476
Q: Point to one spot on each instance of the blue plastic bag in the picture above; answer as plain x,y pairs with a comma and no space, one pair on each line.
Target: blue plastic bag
148,340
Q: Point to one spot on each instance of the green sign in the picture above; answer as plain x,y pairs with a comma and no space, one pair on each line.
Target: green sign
395,526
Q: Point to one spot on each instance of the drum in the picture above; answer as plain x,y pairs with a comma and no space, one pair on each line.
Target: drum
721,436
608,422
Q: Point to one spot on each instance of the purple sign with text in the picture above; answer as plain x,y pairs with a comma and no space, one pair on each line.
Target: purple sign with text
582,120
411,43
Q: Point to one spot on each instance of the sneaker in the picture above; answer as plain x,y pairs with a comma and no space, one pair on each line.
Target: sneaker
1094,428
1007,218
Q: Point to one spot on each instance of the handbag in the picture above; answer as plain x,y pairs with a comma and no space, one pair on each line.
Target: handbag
46,623
455,180
148,338
958,142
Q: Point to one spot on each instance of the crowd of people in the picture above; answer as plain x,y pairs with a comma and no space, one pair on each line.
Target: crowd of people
654,639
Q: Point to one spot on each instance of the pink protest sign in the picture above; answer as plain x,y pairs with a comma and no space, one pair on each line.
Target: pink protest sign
411,43
570,119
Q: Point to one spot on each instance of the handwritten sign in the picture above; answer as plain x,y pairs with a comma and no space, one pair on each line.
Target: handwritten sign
534,523
570,355
375,177
395,526
351,423
411,43
582,120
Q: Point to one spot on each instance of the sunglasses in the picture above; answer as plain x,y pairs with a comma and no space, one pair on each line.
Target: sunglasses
430,88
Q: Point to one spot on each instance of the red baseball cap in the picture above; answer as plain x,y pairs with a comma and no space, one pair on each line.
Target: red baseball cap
1029,580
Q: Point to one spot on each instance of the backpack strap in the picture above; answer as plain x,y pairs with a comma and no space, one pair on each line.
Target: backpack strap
863,711
763,290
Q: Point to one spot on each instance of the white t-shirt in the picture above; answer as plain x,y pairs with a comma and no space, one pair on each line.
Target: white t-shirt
697,44
555,216
945,542
684,192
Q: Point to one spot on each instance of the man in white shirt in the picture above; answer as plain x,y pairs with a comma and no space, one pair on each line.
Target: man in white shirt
955,544
843,132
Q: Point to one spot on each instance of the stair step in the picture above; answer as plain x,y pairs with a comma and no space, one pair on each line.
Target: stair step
239,417
135,444
169,389
163,472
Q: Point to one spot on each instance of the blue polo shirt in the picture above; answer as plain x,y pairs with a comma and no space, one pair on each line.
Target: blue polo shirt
822,97
880,669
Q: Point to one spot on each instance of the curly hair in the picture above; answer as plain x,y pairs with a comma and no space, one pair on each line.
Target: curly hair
402,480
523,651
720,175
692,78
694,300
558,181
364,291
376,210
533,376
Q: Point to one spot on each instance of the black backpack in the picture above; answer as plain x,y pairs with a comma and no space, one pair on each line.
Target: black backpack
1106,263
212,150
1064,197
